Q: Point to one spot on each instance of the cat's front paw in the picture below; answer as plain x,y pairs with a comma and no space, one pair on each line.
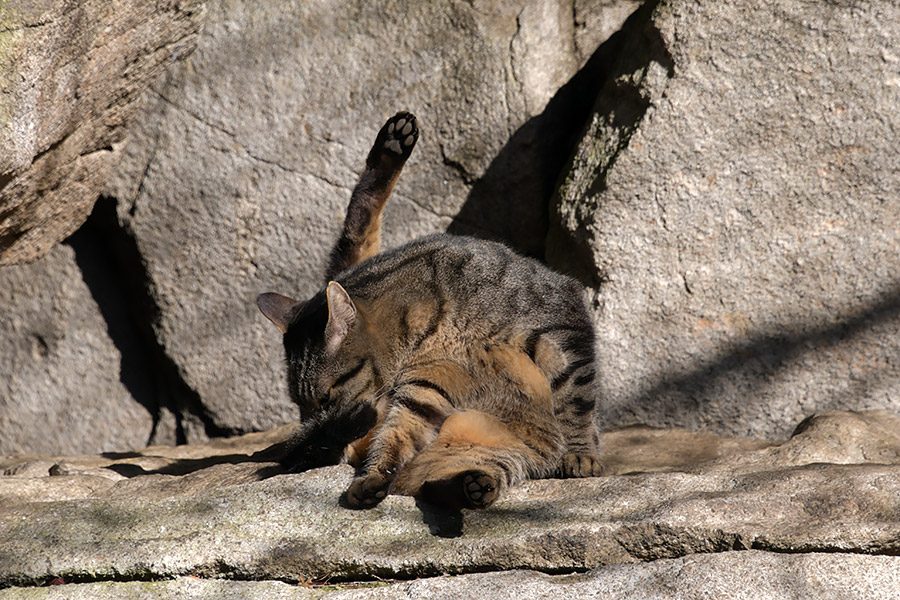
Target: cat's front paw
576,464
366,492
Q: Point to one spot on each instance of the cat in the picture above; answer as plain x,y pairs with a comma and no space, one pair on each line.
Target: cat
447,369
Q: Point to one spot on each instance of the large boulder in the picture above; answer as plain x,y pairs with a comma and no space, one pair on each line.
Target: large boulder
734,201
730,205
72,72
239,167
724,518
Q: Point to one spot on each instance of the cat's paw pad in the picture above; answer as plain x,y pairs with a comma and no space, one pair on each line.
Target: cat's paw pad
480,489
366,492
399,135
576,464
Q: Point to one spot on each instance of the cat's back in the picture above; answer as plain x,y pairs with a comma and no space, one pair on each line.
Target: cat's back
481,284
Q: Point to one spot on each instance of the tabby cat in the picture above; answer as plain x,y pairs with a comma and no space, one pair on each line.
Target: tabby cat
447,369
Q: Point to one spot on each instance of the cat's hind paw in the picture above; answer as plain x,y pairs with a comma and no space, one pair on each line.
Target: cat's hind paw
396,140
479,488
473,489
575,464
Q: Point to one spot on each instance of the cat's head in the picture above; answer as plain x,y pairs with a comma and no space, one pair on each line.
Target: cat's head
328,355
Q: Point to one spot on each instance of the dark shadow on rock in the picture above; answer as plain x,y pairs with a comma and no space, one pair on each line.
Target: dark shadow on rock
619,107
441,522
128,469
103,277
112,268
510,202
186,466
120,455
752,362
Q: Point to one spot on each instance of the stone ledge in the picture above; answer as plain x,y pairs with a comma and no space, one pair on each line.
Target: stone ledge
761,575
231,518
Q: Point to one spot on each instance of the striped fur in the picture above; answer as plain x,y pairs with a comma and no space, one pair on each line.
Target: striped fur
478,362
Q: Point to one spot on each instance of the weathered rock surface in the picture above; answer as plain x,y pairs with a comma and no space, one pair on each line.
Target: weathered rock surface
761,575
61,387
228,520
240,165
732,203
71,75
736,192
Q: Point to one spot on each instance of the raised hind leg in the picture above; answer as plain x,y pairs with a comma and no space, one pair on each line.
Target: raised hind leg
361,235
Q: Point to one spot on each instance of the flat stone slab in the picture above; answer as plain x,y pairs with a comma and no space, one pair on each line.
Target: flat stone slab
761,575
234,518
291,528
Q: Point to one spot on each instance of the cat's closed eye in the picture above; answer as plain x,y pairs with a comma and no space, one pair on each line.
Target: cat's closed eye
330,397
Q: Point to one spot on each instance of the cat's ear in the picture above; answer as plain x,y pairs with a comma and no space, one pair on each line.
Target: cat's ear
277,308
341,317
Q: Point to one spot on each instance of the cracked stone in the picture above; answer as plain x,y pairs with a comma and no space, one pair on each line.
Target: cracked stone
80,70
212,511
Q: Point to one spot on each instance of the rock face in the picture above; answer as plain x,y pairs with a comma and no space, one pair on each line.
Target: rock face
687,509
730,203
72,72
731,206
734,200
61,388
240,165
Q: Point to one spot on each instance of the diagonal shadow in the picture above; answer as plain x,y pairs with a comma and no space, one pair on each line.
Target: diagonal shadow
755,359
186,466
510,202
110,262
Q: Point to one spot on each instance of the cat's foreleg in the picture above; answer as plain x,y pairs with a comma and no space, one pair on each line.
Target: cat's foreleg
413,420
322,440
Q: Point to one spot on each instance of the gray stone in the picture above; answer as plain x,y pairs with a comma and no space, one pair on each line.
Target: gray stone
732,576
734,200
743,272
596,21
71,73
227,517
165,471
836,437
239,167
61,390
